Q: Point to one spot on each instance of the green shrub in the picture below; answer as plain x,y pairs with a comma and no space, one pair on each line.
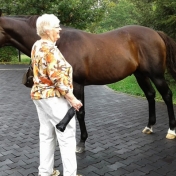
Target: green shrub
8,53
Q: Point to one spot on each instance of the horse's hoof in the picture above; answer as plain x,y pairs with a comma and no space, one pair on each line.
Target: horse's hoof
80,149
147,130
171,134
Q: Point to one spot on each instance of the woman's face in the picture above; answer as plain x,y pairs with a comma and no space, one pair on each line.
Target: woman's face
54,33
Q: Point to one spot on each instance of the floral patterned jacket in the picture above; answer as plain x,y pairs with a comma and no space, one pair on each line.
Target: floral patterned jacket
52,73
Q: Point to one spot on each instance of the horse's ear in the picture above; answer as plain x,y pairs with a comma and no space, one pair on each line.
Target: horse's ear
0,12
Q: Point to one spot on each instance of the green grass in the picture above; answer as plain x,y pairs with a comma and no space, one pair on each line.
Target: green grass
130,86
24,60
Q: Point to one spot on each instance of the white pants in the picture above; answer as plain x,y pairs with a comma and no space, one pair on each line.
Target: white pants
50,112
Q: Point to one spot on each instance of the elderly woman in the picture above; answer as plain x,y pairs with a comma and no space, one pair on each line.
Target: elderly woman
52,93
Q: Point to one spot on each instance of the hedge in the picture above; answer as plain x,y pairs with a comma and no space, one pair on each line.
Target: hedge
8,53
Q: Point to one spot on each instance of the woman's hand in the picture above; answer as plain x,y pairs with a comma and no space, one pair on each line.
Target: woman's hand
76,104
73,101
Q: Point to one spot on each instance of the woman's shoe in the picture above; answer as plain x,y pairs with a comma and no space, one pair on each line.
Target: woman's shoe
55,173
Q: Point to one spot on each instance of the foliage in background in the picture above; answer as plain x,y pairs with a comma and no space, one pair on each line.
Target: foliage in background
145,10
157,14
76,13
117,15
165,17
101,15
8,53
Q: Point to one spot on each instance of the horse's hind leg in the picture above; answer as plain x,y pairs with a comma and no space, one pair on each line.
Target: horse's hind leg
146,86
166,94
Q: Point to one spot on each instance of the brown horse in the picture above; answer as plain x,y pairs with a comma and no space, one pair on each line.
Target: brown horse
99,59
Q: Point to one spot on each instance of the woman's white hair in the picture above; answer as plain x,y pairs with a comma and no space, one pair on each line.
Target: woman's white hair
46,22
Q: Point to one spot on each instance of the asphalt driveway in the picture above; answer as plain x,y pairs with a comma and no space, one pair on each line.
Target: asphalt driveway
116,145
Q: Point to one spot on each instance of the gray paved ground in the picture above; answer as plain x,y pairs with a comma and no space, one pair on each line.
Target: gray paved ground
115,147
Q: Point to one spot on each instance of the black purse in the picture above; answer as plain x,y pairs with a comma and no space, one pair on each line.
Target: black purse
27,79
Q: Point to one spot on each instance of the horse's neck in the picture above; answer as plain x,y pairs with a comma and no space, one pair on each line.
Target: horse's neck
27,42
23,38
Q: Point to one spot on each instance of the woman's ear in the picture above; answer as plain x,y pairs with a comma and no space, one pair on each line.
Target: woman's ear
47,31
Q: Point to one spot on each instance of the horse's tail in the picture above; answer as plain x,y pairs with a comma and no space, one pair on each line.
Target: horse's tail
170,53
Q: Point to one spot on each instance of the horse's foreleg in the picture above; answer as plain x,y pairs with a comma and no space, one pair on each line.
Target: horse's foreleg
79,93
166,94
149,92
81,145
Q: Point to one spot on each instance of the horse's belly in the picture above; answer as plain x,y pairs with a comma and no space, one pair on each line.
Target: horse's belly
110,74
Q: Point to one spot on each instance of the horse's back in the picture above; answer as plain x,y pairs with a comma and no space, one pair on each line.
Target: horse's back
143,45
111,56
